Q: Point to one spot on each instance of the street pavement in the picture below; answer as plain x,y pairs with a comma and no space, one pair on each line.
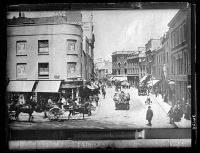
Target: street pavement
105,116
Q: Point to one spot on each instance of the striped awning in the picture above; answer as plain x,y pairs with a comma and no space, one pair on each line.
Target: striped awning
153,82
20,86
48,86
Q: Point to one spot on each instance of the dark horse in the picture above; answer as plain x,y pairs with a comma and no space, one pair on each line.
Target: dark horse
27,108
18,108
83,109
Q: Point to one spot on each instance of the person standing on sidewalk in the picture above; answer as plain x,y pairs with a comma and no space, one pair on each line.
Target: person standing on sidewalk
170,114
149,115
187,111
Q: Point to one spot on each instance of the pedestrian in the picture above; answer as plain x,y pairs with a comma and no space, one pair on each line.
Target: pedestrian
50,102
156,91
180,111
104,93
96,99
176,117
63,102
149,115
187,111
170,114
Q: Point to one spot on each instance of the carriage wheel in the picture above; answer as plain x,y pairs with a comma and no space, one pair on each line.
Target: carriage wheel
53,116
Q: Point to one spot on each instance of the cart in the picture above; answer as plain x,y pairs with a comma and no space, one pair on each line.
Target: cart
57,114
122,101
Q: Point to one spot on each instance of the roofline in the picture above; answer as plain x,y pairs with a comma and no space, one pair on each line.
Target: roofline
181,11
122,52
19,25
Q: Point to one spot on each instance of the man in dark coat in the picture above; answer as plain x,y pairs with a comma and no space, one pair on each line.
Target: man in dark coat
187,111
149,115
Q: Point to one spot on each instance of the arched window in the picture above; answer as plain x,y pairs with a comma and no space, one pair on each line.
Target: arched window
119,65
125,64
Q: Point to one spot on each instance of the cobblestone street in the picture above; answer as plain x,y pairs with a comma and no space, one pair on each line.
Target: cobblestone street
105,116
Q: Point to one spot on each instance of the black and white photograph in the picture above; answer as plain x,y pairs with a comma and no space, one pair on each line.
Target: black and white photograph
70,72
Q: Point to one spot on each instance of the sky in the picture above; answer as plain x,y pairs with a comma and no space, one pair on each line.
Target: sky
128,30
121,30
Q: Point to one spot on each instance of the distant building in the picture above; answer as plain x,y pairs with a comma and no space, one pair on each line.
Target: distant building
151,45
88,47
142,62
103,70
133,68
120,63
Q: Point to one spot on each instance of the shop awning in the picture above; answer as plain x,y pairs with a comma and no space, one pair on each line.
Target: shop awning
20,86
153,82
48,86
120,78
143,78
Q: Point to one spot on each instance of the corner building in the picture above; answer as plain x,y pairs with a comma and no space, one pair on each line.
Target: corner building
47,49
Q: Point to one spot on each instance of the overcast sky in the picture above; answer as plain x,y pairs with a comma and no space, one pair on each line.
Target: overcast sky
118,30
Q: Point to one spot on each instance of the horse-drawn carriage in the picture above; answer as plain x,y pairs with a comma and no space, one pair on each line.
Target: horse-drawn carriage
142,90
52,111
57,113
122,101
125,84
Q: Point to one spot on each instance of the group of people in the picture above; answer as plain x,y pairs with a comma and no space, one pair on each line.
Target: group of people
177,111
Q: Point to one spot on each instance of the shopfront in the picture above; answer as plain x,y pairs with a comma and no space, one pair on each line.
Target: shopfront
71,88
20,90
48,89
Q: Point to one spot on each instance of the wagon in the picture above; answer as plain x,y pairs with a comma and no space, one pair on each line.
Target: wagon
122,101
142,90
56,113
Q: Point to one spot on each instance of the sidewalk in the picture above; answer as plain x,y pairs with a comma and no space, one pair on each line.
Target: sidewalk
166,107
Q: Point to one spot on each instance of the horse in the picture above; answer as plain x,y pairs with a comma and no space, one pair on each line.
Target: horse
27,108
84,109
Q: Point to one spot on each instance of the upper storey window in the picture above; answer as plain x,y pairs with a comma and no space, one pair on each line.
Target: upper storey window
43,47
71,46
21,47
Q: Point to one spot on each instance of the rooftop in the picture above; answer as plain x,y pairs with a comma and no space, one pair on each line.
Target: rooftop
123,52
68,18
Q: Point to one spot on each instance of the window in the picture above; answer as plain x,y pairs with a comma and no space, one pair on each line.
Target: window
186,63
167,57
181,34
119,65
43,69
175,37
81,49
43,46
125,70
177,33
21,47
173,40
125,64
184,32
21,70
118,71
71,69
71,44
